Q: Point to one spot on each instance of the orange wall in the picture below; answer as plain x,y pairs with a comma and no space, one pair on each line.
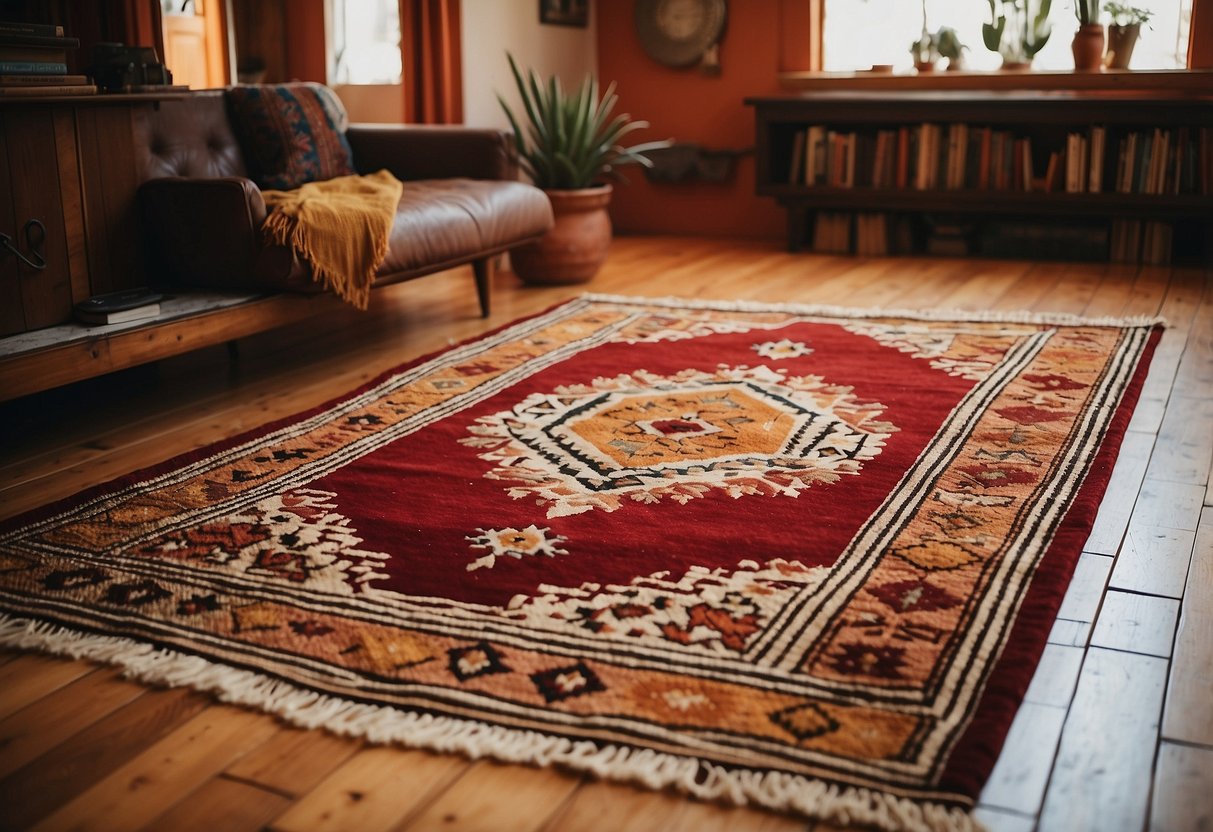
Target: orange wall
685,105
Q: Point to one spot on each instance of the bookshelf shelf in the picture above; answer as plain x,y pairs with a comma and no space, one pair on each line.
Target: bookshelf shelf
1136,165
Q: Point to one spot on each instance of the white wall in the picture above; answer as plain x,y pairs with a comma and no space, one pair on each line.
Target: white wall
493,27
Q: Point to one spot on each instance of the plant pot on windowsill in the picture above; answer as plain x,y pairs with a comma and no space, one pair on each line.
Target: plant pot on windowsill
1121,40
571,144
1087,47
576,246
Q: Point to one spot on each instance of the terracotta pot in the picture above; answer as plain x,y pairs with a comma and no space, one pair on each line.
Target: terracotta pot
1121,40
1016,66
577,244
1087,47
924,66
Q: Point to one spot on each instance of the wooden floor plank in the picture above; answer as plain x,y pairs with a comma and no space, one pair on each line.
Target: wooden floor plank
1019,777
1137,623
473,804
626,808
1168,504
1101,779
142,789
221,805
1188,715
1056,676
70,768
366,793
32,676
293,760
1184,450
1182,797
1154,560
1117,506
40,726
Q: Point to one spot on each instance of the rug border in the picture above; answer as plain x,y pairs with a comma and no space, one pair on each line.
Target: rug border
831,311
811,798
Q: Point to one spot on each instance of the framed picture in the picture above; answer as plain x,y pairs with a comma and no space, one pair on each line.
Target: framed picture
565,12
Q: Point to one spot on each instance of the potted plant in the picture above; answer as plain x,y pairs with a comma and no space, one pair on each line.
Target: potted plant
569,144
1087,45
1123,32
925,50
949,46
1015,32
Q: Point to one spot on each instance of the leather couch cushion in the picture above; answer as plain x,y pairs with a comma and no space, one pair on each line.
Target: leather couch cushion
290,133
189,138
443,220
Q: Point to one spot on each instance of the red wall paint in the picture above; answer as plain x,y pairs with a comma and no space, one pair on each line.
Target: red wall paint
685,105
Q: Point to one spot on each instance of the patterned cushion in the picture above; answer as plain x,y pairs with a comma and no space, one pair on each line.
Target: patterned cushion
290,133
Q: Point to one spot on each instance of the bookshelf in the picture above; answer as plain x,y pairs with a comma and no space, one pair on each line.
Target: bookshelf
1118,175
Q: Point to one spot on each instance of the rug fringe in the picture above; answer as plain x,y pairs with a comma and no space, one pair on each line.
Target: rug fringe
825,310
382,724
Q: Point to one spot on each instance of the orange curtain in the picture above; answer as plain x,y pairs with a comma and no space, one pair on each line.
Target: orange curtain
429,45
1200,41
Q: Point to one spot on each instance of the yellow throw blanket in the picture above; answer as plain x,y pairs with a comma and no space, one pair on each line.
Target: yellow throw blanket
340,226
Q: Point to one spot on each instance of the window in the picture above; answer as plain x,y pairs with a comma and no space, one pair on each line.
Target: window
860,33
364,36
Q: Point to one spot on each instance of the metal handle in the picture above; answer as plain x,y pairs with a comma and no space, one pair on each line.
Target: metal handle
32,241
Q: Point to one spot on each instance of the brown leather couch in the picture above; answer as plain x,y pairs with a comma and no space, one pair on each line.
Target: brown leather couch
462,202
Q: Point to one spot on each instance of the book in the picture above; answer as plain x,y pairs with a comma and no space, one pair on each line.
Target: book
41,80
33,67
32,53
21,39
148,310
13,27
48,89
796,162
1095,172
136,88
119,307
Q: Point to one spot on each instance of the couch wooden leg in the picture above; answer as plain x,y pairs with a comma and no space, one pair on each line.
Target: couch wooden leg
483,268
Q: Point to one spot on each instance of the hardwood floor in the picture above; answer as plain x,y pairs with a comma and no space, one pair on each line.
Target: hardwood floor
1116,732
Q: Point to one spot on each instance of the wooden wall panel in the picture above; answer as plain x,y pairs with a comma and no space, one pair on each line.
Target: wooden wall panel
46,295
12,317
73,203
108,173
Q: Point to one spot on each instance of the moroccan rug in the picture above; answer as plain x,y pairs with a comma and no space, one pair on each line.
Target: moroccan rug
796,557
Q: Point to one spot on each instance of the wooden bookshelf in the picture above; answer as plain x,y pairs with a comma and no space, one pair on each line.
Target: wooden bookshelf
869,132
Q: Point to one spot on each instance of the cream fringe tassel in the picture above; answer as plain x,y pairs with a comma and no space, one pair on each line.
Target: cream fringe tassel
381,724
958,315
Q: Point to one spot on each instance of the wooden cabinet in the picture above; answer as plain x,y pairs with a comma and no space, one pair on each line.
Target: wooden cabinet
69,165
1038,124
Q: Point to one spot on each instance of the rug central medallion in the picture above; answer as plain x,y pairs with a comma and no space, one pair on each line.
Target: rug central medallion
644,437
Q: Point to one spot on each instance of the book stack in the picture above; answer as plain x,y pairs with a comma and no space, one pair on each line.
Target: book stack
33,61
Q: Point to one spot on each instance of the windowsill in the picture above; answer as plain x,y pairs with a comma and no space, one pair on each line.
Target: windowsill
1174,81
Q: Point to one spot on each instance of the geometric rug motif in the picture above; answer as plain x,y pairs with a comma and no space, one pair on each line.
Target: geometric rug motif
799,557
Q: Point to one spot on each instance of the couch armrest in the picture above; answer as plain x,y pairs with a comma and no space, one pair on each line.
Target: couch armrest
203,232
434,152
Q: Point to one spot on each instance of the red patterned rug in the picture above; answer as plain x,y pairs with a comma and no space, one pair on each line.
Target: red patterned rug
796,557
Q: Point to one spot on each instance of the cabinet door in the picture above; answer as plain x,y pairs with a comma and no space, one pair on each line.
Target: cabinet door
34,188
12,316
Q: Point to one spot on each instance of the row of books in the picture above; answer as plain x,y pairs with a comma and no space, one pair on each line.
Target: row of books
965,157
1141,241
875,234
34,61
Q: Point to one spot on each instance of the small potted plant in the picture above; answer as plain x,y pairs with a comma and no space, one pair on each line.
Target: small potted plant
1015,32
569,145
947,42
925,52
1087,45
1123,32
